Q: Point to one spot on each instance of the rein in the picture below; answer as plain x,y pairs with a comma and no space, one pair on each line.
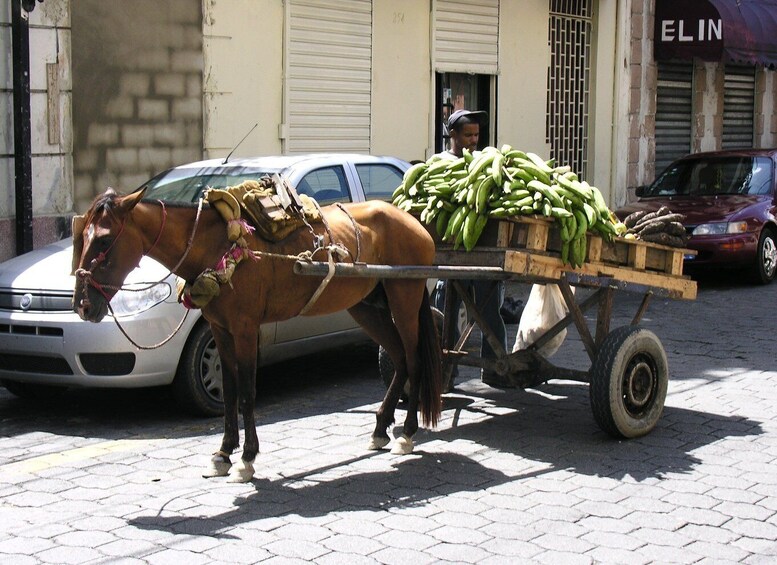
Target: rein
89,279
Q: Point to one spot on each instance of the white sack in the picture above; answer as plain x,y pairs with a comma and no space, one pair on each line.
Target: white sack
544,308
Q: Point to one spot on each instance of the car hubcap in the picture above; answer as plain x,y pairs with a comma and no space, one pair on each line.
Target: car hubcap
769,256
210,371
639,385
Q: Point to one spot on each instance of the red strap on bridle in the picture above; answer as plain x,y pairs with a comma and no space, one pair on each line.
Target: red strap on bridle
161,229
87,275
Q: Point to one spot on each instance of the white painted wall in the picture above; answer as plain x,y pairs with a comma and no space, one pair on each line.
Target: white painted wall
402,81
524,57
52,169
243,43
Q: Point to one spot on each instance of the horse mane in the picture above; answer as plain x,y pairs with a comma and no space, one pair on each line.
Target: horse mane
105,202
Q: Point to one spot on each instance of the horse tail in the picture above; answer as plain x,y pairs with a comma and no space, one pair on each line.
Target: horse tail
429,365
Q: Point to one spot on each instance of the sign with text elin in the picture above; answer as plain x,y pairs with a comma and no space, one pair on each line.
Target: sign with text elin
684,30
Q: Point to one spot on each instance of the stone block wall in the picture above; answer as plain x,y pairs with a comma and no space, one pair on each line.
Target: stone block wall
50,117
137,74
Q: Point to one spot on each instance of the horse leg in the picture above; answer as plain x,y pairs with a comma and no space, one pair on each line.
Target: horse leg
377,323
246,349
405,298
221,463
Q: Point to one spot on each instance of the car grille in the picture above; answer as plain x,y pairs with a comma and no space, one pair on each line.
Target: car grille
106,364
35,364
36,301
22,329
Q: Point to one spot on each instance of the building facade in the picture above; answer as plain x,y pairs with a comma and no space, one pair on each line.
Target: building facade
145,85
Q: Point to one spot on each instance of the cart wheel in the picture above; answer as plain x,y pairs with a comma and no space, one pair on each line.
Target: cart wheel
629,379
386,365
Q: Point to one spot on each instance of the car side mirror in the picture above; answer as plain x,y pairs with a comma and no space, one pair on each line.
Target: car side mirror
640,191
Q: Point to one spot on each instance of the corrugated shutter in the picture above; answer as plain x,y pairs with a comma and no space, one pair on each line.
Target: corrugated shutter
738,107
673,112
466,36
329,76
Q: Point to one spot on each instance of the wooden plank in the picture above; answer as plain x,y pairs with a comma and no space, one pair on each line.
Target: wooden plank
577,316
504,234
594,248
674,263
637,255
537,239
604,315
551,269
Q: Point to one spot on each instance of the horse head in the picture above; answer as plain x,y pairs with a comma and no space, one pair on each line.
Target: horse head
107,246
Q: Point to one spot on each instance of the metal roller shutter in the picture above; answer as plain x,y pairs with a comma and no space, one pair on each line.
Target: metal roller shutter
674,107
466,36
329,76
738,107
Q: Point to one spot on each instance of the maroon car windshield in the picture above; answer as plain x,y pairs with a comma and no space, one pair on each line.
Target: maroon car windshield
713,176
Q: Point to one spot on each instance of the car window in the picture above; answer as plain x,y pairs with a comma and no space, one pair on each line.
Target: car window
327,185
188,185
714,176
379,180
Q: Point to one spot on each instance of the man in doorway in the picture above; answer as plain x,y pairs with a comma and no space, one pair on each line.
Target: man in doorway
464,130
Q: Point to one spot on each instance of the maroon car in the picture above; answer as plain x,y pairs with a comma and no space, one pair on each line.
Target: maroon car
729,202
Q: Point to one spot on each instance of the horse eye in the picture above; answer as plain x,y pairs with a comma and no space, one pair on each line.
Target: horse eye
103,243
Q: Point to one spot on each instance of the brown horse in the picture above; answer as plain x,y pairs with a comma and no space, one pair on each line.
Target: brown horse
119,230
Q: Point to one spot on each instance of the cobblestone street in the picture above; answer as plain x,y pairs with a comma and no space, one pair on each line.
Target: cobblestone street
509,476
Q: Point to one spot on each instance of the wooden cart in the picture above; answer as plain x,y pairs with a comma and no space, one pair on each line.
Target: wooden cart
628,376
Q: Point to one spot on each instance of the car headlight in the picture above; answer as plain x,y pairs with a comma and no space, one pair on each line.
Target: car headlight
134,299
720,228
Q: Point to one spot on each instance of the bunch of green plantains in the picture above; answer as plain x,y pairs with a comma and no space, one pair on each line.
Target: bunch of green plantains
460,195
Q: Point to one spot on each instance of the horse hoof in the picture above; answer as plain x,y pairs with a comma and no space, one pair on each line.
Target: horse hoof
219,467
377,443
243,472
402,446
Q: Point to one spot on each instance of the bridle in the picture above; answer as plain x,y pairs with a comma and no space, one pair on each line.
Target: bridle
88,278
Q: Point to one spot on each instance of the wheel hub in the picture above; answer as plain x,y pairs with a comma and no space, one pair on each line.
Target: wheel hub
639,385
769,257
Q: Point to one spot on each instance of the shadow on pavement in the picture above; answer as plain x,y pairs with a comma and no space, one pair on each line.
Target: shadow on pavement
549,432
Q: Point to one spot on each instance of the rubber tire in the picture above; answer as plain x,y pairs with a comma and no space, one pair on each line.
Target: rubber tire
629,350
386,365
198,380
767,244
33,391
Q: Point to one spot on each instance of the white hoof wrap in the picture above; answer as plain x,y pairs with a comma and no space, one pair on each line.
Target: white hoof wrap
402,446
377,443
243,472
219,467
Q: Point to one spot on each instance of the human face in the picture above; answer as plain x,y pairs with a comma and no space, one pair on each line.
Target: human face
465,137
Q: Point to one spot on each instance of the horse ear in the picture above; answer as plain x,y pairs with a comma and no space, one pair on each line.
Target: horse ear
128,202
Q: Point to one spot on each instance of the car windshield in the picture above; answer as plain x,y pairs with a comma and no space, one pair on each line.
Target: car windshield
189,184
714,175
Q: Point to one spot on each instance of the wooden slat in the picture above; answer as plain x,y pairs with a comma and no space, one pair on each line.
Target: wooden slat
551,269
537,239
637,254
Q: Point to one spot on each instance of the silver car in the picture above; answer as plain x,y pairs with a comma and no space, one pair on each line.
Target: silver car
45,346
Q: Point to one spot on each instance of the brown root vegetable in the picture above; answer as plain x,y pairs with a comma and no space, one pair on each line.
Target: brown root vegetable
632,219
664,239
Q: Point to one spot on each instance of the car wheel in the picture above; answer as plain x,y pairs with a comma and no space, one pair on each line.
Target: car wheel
198,381
32,391
766,258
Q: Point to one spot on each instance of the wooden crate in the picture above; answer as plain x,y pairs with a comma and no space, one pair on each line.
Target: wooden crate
531,245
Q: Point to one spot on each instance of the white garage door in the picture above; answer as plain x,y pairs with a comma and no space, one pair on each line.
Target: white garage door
329,76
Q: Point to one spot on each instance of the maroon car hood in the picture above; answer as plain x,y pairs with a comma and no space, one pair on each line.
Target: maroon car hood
698,209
